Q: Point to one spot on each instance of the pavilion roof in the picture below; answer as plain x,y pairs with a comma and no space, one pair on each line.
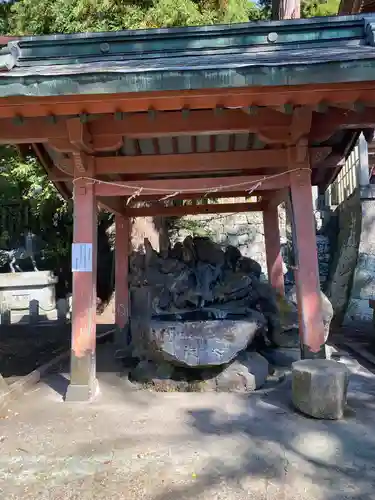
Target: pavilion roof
182,92
309,51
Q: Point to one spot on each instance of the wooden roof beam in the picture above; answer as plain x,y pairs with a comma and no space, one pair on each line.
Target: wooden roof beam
106,132
196,122
198,196
103,133
199,185
35,106
198,162
275,198
324,125
112,204
213,208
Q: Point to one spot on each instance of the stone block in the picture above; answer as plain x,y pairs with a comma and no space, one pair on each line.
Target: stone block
34,311
358,310
319,388
282,356
19,290
246,374
202,343
5,315
62,309
4,387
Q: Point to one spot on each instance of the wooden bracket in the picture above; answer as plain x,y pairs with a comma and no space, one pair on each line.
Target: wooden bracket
274,135
83,164
318,155
298,158
298,154
301,124
79,135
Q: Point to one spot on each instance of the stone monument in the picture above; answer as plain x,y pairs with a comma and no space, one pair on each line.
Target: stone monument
26,296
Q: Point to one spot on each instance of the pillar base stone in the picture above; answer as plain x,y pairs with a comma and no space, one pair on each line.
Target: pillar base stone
307,353
319,388
82,393
4,387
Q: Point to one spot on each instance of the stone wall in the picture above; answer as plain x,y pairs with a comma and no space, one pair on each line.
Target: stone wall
345,224
363,276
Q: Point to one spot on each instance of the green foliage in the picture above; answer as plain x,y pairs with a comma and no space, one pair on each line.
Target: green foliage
309,8
4,17
24,181
70,16
314,8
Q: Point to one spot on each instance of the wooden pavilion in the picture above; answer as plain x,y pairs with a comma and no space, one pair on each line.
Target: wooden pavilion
220,111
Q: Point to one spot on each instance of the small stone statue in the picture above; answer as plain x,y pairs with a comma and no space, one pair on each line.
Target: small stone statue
20,252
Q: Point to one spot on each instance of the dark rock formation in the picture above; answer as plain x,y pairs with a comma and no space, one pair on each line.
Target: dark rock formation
197,310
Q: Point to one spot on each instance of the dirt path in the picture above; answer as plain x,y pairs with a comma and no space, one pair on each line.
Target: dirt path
140,445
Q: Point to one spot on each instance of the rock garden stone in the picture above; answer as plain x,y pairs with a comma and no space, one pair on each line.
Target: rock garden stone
232,286
246,374
282,356
202,343
177,251
208,251
319,388
249,266
146,371
188,251
232,256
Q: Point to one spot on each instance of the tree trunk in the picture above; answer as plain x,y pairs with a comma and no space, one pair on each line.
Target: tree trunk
286,9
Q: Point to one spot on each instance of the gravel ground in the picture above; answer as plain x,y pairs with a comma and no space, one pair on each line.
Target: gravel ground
140,445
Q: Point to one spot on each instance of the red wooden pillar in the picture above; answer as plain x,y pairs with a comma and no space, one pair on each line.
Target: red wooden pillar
307,275
83,383
273,248
123,227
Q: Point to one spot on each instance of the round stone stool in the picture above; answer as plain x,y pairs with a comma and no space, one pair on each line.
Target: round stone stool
319,387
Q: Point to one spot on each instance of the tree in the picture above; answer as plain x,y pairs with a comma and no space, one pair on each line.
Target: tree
37,17
23,181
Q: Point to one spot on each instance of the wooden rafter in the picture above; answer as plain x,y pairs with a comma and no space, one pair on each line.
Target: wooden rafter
197,122
194,99
106,133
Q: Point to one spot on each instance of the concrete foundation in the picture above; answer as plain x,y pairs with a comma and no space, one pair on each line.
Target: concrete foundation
319,388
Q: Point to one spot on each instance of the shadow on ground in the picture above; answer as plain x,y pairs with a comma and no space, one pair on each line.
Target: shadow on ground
23,348
141,445
289,451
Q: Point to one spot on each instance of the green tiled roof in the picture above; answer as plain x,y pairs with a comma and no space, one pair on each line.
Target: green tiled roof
319,50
